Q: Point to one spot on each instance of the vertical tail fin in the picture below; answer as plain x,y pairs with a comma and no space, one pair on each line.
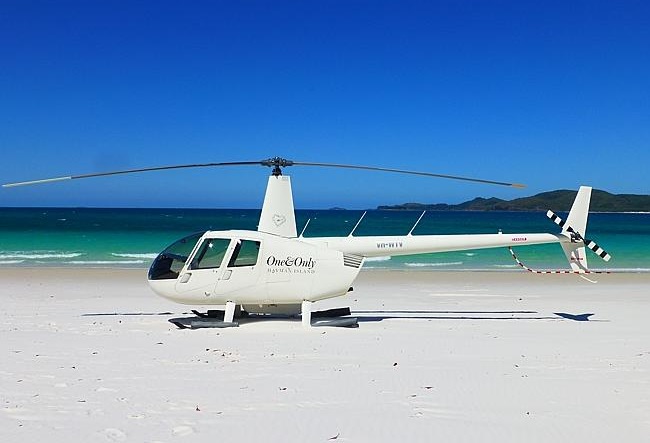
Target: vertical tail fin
277,211
574,229
576,223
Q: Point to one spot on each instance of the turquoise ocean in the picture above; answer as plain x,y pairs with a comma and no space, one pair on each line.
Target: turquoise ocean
91,237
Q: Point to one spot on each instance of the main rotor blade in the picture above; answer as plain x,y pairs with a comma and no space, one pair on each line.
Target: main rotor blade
402,171
276,162
130,171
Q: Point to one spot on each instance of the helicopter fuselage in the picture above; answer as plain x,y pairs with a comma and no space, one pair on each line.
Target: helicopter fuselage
251,267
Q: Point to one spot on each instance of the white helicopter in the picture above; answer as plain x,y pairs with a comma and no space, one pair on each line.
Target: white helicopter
276,271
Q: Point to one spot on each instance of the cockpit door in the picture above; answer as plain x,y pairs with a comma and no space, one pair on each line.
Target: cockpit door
206,267
241,269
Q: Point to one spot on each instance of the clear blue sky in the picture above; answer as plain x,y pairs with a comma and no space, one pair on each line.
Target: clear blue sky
552,94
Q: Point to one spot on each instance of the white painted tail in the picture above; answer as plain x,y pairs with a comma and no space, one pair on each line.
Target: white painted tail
277,211
577,220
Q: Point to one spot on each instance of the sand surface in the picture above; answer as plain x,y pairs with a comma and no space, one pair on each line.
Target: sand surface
88,355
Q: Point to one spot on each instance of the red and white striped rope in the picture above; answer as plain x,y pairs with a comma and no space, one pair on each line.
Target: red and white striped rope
553,271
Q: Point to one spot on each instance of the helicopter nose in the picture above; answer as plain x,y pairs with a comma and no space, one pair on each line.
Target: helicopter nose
164,288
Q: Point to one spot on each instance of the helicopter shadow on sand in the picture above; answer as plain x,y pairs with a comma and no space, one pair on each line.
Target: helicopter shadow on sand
374,316
367,316
125,314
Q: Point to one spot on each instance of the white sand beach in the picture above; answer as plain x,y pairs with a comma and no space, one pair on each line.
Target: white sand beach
88,355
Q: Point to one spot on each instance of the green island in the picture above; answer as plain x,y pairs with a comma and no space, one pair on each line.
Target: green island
560,200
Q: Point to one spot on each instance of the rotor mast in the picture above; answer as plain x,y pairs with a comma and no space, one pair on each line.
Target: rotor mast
278,216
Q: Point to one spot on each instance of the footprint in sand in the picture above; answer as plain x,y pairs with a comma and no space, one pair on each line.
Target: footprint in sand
114,434
182,431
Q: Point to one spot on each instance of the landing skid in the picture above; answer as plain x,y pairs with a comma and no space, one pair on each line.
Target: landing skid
214,318
220,313
336,317
343,322
330,313
201,322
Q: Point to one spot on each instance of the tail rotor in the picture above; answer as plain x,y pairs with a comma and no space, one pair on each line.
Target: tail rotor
577,237
572,240
575,228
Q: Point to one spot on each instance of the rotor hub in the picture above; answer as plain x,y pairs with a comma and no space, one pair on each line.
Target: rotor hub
277,163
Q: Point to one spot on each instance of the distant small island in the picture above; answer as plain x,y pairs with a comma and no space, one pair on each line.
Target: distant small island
561,200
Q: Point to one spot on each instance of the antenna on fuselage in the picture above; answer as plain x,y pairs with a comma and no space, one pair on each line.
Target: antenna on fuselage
357,225
302,233
416,223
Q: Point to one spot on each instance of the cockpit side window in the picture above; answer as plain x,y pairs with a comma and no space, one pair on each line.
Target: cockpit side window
210,254
245,254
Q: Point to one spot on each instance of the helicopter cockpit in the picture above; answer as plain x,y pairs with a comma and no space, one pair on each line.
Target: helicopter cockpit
209,255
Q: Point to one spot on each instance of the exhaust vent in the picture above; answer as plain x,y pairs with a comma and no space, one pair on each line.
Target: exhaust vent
353,261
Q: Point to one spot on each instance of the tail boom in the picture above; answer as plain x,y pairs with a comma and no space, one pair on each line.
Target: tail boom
379,246
570,239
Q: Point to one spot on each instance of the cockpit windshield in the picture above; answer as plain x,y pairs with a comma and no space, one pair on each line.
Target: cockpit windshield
170,261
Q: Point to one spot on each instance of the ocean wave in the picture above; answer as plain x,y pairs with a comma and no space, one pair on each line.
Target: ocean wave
371,259
470,254
104,262
623,270
150,255
11,262
38,255
427,265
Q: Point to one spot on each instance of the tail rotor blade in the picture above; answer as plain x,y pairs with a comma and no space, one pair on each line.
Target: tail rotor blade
562,224
597,249
555,218
588,243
